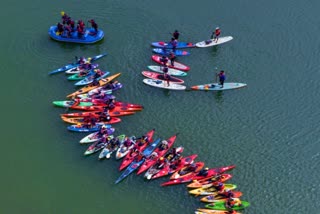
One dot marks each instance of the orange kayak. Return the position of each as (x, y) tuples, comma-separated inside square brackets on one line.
[(98, 113), (209, 182), (79, 120), (101, 108), (90, 87)]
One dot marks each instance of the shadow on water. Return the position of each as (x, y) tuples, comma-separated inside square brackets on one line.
[(218, 96), (166, 92), (74, 46), (214, 51)]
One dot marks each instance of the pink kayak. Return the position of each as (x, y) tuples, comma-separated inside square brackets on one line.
[(177, 65)]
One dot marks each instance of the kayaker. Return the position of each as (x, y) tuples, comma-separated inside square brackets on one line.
[(163, 145), (104, 118), (227, 193), (154, 155), (143, 140), (59, 28), (204, 172), (139, 157), (114, 143), (216, 34), (176, 34), (94, 25), (161, 161), (231, 202), (222, 78), (82, 60), (220, 187), (172, 58), (102, 131), (128, 142), (174, 44)]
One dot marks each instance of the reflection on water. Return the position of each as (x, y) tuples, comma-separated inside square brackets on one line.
[(218, 96)]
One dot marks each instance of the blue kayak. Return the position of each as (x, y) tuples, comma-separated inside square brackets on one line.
[(89, 36), (95, 128), (89, 79), (73, 65), (166, 52), (136, 164), (168, 45)]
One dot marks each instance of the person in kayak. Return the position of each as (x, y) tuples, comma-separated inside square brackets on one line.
[(174, 44), (59, 28), (176, 34), (143, 140), (231, 202), (172, 58), (128, 142), (203, 172), (220, 187), (163, 145), (104, 117), (215, 35), (103, 131), (161, 162), (154, 156), (94, 25), (114, 143)]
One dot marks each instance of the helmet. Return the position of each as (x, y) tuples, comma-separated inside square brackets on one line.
[(89, 59), (220, 184), (104, 126), (161, 158), (206, 168), (217, 28), (62, 13)]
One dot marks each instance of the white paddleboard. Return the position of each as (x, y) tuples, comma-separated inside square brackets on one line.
[(217, 87), (211, 42), (163, 84), (171, 71)]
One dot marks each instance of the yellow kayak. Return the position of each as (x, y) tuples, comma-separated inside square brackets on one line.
[(90, 87), (210, 190), (209, 211)]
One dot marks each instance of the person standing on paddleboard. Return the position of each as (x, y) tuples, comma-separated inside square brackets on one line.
[(172, 57), (217, 33), (222, 78), (176, 34), (174, 44)]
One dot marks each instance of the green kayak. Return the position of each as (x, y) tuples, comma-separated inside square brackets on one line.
[(221, 206), (78, 76), (68, 103)]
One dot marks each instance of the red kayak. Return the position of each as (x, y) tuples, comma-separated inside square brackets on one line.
[(210, 181), (157, 76), (81, 120), (131, 155), (98, 113), (101, 108), (151, 161), (101, 102), (196, 176), (177, 65), (187, 170), (171, 168)]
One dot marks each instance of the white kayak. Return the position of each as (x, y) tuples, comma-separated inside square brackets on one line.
[(211, 42), (217, 86), (164, 84), (171, 71), (124, 150), (93, 137)]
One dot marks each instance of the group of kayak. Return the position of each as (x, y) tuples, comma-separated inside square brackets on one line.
[(167, 74)]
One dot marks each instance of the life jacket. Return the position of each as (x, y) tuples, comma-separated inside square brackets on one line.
[(217, 32)]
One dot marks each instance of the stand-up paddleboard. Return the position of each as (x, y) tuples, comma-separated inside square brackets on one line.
[(211, 42), (168, 45), (167, 52), (217, 86), (176, 65), (157, 76), (171, 71), (163, 84)]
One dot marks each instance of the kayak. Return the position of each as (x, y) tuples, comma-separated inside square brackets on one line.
[(116, 103), (89, 37), (171, 71), (209, 211), (105, 88), (177, 65), (79, 120), (205, 183), (79, 69), (93, 137), (168, 45), (212, 42), (149, 162), (102, 108), (211, 190), (163, 52), (80, 76), (130, 155), (107, 151), (185, 171), (221, 206), (85, 128), (90, 79), (73, 65), (135, 164), (211, 198), (164, 84), (211, 172), (97, 114), (89, 87), (124, 150), (157, 76), (97, 146), (217, 86)]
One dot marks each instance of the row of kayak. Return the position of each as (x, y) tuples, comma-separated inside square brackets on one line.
[(146, 154)]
